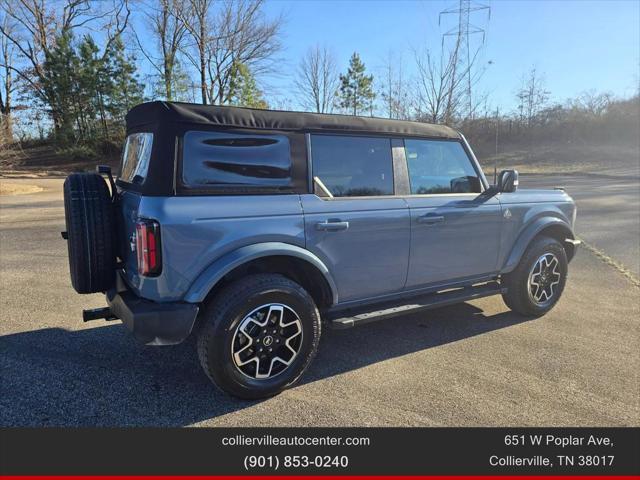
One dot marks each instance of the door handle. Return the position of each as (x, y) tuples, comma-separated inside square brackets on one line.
[(430, 219), (332, 225)]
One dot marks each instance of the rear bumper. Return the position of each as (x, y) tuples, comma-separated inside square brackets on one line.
[(151, 322)]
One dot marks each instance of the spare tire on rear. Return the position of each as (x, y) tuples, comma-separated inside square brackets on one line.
[(90, 223)]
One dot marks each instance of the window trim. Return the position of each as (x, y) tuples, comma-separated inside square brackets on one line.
[(402, 185), (358, 135), (475, 163), (307, 140)]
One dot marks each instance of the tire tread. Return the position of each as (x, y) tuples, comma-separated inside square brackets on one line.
[(89, 219)]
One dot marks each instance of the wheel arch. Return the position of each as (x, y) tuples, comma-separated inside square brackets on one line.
[(291, 261), (552, 227)]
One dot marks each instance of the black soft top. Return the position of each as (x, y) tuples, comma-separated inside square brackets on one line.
[(175, 113), (169, 121)]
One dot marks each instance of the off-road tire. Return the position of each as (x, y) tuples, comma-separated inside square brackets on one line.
[(90, 228), (222, 317), (517, 296)]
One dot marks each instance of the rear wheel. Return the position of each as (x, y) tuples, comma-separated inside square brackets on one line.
[(537, 283), (259, 335)]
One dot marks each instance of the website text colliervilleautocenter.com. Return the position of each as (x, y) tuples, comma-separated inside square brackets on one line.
[(296, 440)]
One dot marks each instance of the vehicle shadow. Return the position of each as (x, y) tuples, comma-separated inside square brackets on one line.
[(102, 377)]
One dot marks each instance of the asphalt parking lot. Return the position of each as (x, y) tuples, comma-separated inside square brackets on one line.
[(474, 364), (608, 212)]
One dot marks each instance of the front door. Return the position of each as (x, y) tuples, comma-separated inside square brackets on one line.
[(455, 231), (353, 222)]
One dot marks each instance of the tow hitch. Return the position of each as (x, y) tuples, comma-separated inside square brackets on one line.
[(97, 314)]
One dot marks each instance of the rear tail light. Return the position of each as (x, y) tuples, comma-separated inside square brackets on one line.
[(148, 248)]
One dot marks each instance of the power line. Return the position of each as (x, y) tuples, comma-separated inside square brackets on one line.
[(462, 33)]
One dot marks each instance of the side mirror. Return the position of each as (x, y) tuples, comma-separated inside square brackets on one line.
[(508, 181)]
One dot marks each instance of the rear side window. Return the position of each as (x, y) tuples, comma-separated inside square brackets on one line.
[(135, 157), (349, 166), (233, 159), (437, 166)]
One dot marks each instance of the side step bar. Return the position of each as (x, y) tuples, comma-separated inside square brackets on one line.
[(352, 317)]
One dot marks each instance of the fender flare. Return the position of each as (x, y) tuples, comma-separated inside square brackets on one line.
[(528, 234), (211, 275)]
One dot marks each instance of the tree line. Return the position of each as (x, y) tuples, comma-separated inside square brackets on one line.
[(70, 70)]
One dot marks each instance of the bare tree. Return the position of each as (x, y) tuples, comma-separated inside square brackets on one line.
[(197, 19), (38, 25), (438, 91), (443, 86), (234, 34), (596, 104), (245, 37), (532, 96), (395, 92), (317, 80), (169, 30), (7, 85)]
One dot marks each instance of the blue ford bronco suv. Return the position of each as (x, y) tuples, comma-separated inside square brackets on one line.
[(250, 228)]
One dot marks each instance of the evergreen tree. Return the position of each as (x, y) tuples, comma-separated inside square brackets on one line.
[(244, 91), (90, 89), (180, 85), (126, 91), (356, 88), (89, 92), (59, 84)]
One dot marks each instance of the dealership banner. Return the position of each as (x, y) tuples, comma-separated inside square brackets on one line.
[(322, 451)]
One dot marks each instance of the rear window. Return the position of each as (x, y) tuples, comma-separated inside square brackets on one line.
[(234, 159), (135, 157), (349, 166)]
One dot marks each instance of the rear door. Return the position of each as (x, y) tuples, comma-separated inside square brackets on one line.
[(353, 221), (455, 231)]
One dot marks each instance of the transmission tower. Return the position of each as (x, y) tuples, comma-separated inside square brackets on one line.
[(462, 33)]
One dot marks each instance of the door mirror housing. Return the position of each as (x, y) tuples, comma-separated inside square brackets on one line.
[(508, 181)]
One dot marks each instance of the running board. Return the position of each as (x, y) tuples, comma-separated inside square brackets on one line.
[(351, 317)]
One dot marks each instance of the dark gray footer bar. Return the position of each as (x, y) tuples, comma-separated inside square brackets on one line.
[(330, 451)]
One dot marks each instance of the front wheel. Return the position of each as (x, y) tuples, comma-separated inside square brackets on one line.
[(260, 334), (536, 284)]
